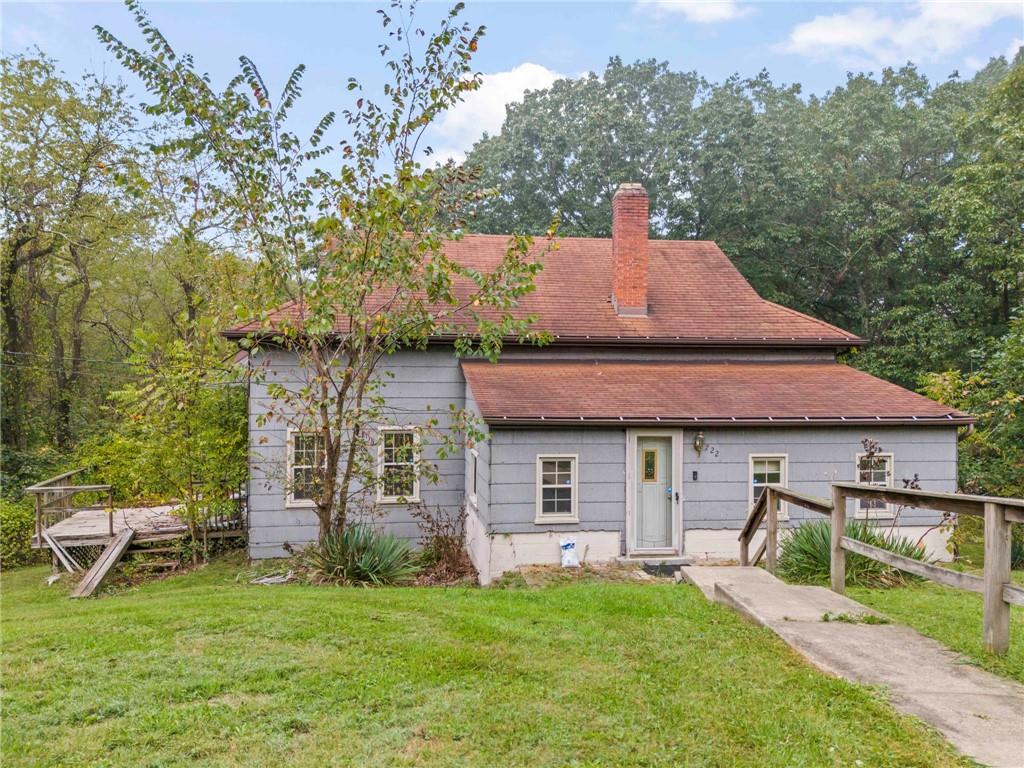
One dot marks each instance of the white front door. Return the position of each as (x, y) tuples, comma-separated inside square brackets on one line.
[(654, 507)]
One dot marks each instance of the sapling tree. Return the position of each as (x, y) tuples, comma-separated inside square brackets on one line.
[(349, 234)]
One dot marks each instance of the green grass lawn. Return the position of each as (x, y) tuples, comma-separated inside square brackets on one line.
[(204, 669), (953, 617)]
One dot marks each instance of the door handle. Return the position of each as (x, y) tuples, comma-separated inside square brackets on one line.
[(677, 497)]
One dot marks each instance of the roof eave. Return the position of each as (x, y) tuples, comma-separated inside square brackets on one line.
[(730, 421)]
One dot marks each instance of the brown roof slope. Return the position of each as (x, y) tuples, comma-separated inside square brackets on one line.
[(681, 392), (695, 295)]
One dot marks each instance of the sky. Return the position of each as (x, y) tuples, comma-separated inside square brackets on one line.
[(530, 44)]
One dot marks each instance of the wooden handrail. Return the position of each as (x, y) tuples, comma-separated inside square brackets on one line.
[(957, 503), (44, 485), (754, 518), (805, 500)]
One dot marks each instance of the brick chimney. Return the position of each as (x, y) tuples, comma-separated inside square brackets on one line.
[(629, 250)]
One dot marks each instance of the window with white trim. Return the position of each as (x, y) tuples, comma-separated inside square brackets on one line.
[(557, 493), (306, 464), (471, 479), (877, 470), (767, 469), (398, 460)]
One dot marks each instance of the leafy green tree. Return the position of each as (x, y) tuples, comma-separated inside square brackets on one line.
[(992, 455), (983, 204), (180, 429), (358, 255), (63, 222)]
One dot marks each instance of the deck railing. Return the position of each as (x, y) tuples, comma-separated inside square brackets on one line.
[(999, 515), (54, 500)]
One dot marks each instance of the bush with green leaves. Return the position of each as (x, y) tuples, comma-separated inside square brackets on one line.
[(17, 525), (806, 555), (360, 554)]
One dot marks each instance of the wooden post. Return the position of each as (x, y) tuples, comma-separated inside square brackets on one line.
[(838, 570), (744, 551), (39, 519), (997, 573), (772, 542), (110, 512)]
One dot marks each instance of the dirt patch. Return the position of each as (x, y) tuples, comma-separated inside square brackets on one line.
[(550, 575)]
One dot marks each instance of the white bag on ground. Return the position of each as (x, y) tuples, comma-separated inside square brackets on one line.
[(569, 557)]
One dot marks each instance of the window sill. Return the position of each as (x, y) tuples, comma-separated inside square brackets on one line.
[(299, 504), (400, 502), (552, 520)]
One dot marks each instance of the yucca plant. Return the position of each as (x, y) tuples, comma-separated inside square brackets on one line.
[(360, 554), (806, 553)]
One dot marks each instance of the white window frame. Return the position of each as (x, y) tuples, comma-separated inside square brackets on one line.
[(875, 514), (783, 478), (290, 500), (415, 497), (471, 479), (539, 517)]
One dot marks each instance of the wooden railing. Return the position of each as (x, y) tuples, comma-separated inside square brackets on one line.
[(996, 586), (54, 500)]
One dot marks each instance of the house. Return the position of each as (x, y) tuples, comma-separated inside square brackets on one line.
[(671, 394)]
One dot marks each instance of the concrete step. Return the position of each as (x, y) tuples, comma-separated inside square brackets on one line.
[(705, 577)]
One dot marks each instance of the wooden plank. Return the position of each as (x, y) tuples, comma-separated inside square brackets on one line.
[(754, 518), (997, 574), (936, 573), (1013, 594), (63, 555), (805, 500), (964, 503), (760, 553), (1014, 515), (772, 537), (104, 564), (837, 569), (72, 488), (44, 484)]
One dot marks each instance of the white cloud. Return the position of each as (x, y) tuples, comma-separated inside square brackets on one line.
[(698, 11), (864, 37), (484, 109)]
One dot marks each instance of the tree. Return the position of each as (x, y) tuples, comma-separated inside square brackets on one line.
[(992, 454), (61, 216), (357, 257)]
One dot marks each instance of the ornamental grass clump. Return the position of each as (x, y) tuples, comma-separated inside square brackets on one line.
[(806, 552), (360, 554)]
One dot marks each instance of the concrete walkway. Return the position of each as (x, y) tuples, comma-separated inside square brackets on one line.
[(982, 715)]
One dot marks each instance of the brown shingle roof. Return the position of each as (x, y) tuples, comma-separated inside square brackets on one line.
[(695, 295), (681, 392)]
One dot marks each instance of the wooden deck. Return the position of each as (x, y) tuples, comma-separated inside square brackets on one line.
[(90, 527)]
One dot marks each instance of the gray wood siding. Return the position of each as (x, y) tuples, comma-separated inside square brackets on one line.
[(418, 386), (601, 473), (817, 456), (423, 384), (719, 496)]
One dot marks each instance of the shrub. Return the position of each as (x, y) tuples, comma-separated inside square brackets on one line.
[(806, 554), (362, 555), (17, 526), (1017, 553), (443, 537)]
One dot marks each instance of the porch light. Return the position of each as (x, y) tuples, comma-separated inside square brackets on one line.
[(698, 442)]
